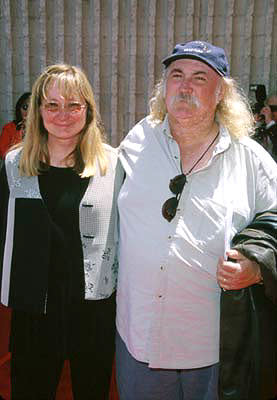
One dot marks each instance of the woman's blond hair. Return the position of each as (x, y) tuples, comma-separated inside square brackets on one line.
[(89, 149), (233, 111)]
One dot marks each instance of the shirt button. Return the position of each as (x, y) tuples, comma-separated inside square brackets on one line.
[(162, 268), (160, 296), (169, 237)]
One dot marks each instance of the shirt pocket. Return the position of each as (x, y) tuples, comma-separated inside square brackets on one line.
[(211, 229), (210, 234), (214, 230)]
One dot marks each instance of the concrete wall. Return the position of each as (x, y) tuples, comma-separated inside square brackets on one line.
[(120, 45)]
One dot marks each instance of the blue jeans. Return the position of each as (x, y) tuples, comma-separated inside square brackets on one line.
[(136, 381)]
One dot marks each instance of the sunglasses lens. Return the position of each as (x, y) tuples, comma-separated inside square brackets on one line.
[(169, 208), (176, 184)]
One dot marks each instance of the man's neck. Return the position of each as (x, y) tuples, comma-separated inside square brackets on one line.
[(190, 134), (193, 140)]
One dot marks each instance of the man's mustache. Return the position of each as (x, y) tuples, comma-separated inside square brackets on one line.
[(188, 98)]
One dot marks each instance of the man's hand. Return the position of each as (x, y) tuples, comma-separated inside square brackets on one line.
[(238, 273)]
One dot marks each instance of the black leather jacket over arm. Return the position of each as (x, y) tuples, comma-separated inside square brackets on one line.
[(248, 327)]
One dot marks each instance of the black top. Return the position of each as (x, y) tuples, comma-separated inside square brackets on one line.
[(59, 329), (71, 324), (62, 190)]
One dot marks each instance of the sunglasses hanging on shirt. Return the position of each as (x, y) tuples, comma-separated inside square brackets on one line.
[(176, 186)]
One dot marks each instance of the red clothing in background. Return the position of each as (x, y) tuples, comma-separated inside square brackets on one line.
[(9, 137)]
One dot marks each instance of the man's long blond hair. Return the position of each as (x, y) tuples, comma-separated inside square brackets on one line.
[(233, 111), (89, 149)]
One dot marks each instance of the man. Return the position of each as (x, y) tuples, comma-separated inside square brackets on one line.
[(271, 103), (193, 180), (269, 131)]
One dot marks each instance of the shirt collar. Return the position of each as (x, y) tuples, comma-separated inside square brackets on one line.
[(166, 128), (224, 140)]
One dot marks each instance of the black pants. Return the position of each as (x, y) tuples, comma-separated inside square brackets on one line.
[(36, 362), (37, 379)]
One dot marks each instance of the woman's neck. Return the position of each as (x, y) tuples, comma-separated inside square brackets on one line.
[(59, 151)]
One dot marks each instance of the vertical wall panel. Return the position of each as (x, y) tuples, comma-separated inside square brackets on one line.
[(164, 34), (204, 12), (184, 15), (114, 75), (37, 36), (241, 43), (120, 44), (268, 39), (273, 59), (108, 65), (146, 39), (91, 41), (170, 25), (6, 74), (131, 71), (73, 32), (209, 13), (126, 66), (20, 40), (262, 41), (55, 31), (223, 24), (149, 58)]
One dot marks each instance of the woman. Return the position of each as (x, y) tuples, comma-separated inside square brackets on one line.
[(13, 132), (58, 242)]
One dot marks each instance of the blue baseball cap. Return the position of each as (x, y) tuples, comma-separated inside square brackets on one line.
[(211, 55)]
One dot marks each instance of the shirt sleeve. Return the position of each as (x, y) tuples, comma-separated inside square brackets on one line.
[(266, 187)]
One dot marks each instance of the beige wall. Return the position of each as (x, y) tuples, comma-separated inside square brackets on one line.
[(120, 45)]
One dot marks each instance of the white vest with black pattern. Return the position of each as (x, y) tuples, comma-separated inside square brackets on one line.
[(97, 219)]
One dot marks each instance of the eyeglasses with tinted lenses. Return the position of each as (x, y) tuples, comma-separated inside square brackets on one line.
[(71, 108), (176, 186), (25, 107)]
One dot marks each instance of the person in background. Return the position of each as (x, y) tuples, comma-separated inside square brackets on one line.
[(269, 111), (271, 103), (13, 132), (194, 179), (58, 242)]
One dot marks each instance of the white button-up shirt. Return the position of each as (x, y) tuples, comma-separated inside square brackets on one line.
[(168, 298)]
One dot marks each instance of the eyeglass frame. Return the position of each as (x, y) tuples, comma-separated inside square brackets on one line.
[(63, 107)]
